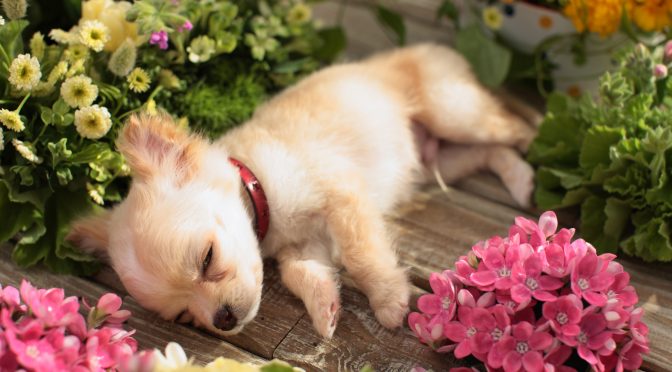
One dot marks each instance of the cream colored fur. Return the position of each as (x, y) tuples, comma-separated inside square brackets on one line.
[(334, 154)]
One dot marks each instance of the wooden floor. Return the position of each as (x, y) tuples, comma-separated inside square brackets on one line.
[(431, 233)]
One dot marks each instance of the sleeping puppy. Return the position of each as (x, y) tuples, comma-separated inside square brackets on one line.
[(306, 181)]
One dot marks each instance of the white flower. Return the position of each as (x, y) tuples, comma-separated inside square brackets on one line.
[(174, 358), (26, 151), (11, 120), (113, 15), (2, 21), (201, 49), (94, 34), (24, 72), (93, 122), (78, 91)]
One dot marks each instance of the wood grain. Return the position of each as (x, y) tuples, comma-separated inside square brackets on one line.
[(358, 341)]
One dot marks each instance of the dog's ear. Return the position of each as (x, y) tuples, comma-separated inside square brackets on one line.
[(91, 233), (155, 144)]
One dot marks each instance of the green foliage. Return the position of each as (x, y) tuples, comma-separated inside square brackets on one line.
[(53, 171), (611, 158), (489, 60)]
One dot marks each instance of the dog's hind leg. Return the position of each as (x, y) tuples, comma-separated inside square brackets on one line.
[(455, 162), (308, 274)]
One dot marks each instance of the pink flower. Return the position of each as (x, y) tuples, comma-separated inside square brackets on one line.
[(529, 281), (34, 353), (522, 350), (660, 71), (187, 26), (564, 314), (107, 311), (10, 297), (50, 306), (496, 268), (442, 302), (428, 330), (477, 330), (159, 38), (546, 227), (465, 297), (594, 338), (590, 278), (621, 292)]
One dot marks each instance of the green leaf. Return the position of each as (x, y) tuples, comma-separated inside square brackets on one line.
[(489, 60), (392, 22), (36, 197), (618, 217), (16, 216), (333, 43), (90, 153), (27, 255), (46, 115), (60, 107), (10, 37), (59, 151), (596, 145), (276, 366), (651, 241), (568, 180)]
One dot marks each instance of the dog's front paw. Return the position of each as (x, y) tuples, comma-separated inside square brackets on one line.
[(324, 308), (521, 183), (391, 306)]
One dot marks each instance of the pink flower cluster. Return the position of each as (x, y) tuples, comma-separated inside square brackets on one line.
[(42, 330), (535, 301)]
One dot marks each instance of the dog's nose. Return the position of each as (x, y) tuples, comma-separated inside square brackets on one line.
[(224, 319)]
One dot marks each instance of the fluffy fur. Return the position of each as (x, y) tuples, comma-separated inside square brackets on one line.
[(334, 154)]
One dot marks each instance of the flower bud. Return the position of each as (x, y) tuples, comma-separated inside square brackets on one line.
[(37, 45), (14, 9), (123, 59), (667, 55), (660, 71)]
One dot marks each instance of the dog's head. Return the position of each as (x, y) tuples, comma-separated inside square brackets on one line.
[(182, 241)]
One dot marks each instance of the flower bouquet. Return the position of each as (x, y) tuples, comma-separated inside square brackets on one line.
[(607, 158), (533, 301), (41, 329), (67, 92), (569, 41)]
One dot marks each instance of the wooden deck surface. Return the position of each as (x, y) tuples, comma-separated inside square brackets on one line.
[(431, 232)]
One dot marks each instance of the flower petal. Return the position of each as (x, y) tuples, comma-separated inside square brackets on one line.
[(512, 362), (483, 278), (430, 304), (540, 341), (533, 361)]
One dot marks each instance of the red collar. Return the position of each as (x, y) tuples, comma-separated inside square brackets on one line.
[(257, 196)]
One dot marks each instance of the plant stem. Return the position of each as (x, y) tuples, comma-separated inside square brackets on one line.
[(23, 102)]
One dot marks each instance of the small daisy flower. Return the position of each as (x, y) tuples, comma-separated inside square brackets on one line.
[(300, 13), (138, 80), (492, 17), (26, 151), (57, 72), (79, 91), (94, 34), (11, 120), (75, 52), (63, 37), (93, 122), (24, 72)]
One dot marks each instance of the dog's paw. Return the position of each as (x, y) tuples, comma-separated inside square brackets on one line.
[(391, 306), (324, 309), (521, 183)]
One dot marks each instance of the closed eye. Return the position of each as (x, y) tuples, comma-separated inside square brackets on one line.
[(206, 262)]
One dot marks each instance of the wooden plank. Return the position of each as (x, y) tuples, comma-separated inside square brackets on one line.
[(489, 187), (358, 341), (279, 311), (152, 332)]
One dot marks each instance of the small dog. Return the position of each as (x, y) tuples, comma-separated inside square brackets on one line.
[(332, 155)]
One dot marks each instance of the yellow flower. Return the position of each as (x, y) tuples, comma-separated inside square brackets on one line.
[(599, 16), (300, 13), (57, 72), (76, 68), (94, 34), (26, 151), (492, 17), (113, 15), (43, 89), (651, 15), (151, 107), (138, 80), (24, 72), (75, 52), (11, 120), (92, 122), (78, 91), (64, 37)]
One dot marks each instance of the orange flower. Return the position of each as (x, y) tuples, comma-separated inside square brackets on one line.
[(599, 16), (651, 15)]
